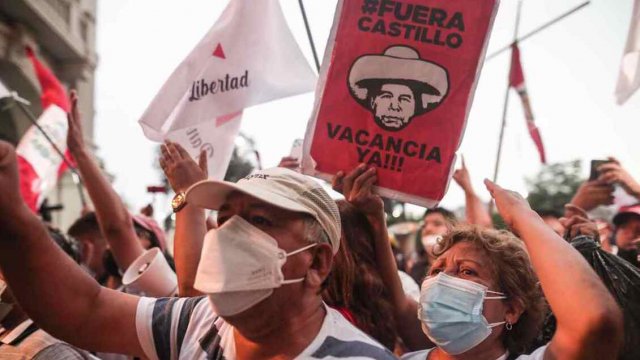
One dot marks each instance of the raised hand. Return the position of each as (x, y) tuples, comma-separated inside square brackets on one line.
[(357, 188), (179, 168), (75, 135), (592, 194), (462, 178), (614, 173), (511, 205)]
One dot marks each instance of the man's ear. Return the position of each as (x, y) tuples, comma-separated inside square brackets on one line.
[(320, 266)]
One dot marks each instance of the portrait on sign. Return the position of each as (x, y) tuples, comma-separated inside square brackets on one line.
[(397, 85)]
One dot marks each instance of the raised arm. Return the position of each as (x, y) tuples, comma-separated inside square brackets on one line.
[(589, 320), (357, 189), (50, 287), (475, 211), (613, 173), (115, 220), (182, 172)]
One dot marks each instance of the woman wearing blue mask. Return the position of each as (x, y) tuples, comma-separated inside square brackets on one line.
[(481, 299)]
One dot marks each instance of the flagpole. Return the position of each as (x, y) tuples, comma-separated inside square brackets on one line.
[(538, 29), (74, 172), (306, 25), (506, 99)]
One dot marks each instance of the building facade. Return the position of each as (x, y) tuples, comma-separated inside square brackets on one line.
[(62, 34)]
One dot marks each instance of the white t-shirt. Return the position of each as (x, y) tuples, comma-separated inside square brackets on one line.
[(187, 328), (422, 355)]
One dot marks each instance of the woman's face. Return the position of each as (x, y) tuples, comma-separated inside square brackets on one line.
[(466, 261)]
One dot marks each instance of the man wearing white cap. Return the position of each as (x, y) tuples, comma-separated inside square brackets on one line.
[(262, 271), (397, 86)]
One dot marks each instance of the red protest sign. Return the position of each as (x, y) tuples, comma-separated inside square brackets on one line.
[(395, 91)]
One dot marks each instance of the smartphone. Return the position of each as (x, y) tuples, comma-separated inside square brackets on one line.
[(595, 164)]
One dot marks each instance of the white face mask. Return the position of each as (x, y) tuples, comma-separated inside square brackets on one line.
[(5, 308), (240, 266)]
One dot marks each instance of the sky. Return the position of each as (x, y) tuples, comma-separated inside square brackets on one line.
[(571, 71)]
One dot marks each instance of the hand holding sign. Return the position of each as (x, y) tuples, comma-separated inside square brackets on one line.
[(357, 188)]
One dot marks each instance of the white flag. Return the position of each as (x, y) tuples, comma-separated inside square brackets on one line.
[(629, 78), (248, 57), (215, 137)]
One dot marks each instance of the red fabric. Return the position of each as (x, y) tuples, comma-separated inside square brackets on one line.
[(63, 166), (516, 80), (53, 92), (516, 76), (537, 140), (399, 44), (27, 177)]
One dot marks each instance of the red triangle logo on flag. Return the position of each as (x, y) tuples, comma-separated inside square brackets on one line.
[(218, 52)]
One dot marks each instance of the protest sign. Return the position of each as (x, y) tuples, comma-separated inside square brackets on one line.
[(395, 91)]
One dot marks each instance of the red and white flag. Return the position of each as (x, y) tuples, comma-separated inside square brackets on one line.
[(516, 81), (248, 57), (629, 78), (38, 162)]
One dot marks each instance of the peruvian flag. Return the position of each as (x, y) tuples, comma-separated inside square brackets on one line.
[(248, 57), (516, 81), (38, 162)]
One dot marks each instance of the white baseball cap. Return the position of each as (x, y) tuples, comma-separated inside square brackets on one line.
[(277, 186)]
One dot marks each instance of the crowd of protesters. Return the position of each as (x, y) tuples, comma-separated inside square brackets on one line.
[(287, 272)]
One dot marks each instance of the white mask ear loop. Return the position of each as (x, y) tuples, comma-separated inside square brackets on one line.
[(501, 296), (302, 249), (492, 325), (293, 281)]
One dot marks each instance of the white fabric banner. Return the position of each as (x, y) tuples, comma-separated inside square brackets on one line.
[(216, 138), (629, 78), (38, 151), (248, 57)]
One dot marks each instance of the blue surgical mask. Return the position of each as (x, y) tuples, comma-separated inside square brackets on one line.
[(450, 310)]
